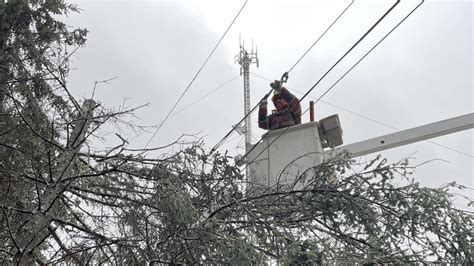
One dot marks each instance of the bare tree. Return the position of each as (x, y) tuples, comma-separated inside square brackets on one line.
[(63, 200)]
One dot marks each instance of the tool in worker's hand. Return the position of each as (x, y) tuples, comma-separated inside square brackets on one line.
[(276, 85), (284, 78)]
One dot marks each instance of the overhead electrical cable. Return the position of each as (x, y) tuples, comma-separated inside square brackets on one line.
[(365, 55), (352, 48), (322, 77), (195, 76), (317, 40), (350, 69), (370, 119), (205, 95), (223, 140)]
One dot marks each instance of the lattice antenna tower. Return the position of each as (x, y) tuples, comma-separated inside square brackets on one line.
[(245, 59)]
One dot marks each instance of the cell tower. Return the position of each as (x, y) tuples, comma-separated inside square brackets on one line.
[(244, 58)]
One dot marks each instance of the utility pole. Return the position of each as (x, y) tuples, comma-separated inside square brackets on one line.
[(244, 59)]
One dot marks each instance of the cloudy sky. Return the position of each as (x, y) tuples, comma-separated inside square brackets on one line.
[(421, 73)]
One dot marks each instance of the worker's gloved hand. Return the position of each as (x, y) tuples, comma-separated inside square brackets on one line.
[(264, 101), (276, 85)]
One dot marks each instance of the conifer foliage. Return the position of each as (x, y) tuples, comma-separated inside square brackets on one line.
[(62, 200)]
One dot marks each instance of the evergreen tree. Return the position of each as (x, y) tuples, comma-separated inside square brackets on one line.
[(64, 201)]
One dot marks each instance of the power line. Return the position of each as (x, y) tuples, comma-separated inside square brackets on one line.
[(223, 140), (205, 96), (337, 62), (371, 49), (394, 128), (369, 119), (311, 47), (352, 48), (350, 69), (195, 76)]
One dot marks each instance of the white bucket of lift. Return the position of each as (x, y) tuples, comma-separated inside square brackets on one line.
[(285, 155)]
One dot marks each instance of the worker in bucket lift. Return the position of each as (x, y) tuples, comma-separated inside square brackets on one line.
[(288, 109)]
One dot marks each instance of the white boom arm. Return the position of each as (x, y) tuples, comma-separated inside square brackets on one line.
[(408, 136)]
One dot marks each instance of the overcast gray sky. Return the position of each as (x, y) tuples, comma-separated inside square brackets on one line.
[(421, 73)]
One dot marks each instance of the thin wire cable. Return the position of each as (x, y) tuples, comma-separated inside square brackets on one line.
[(223, 140), (352, 48), (350, 69), (241, 141), (205, 96), (236, 137), (195, 76), (333, 105), (392, 127), (365, 55), (311, 47), (327, 72)]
